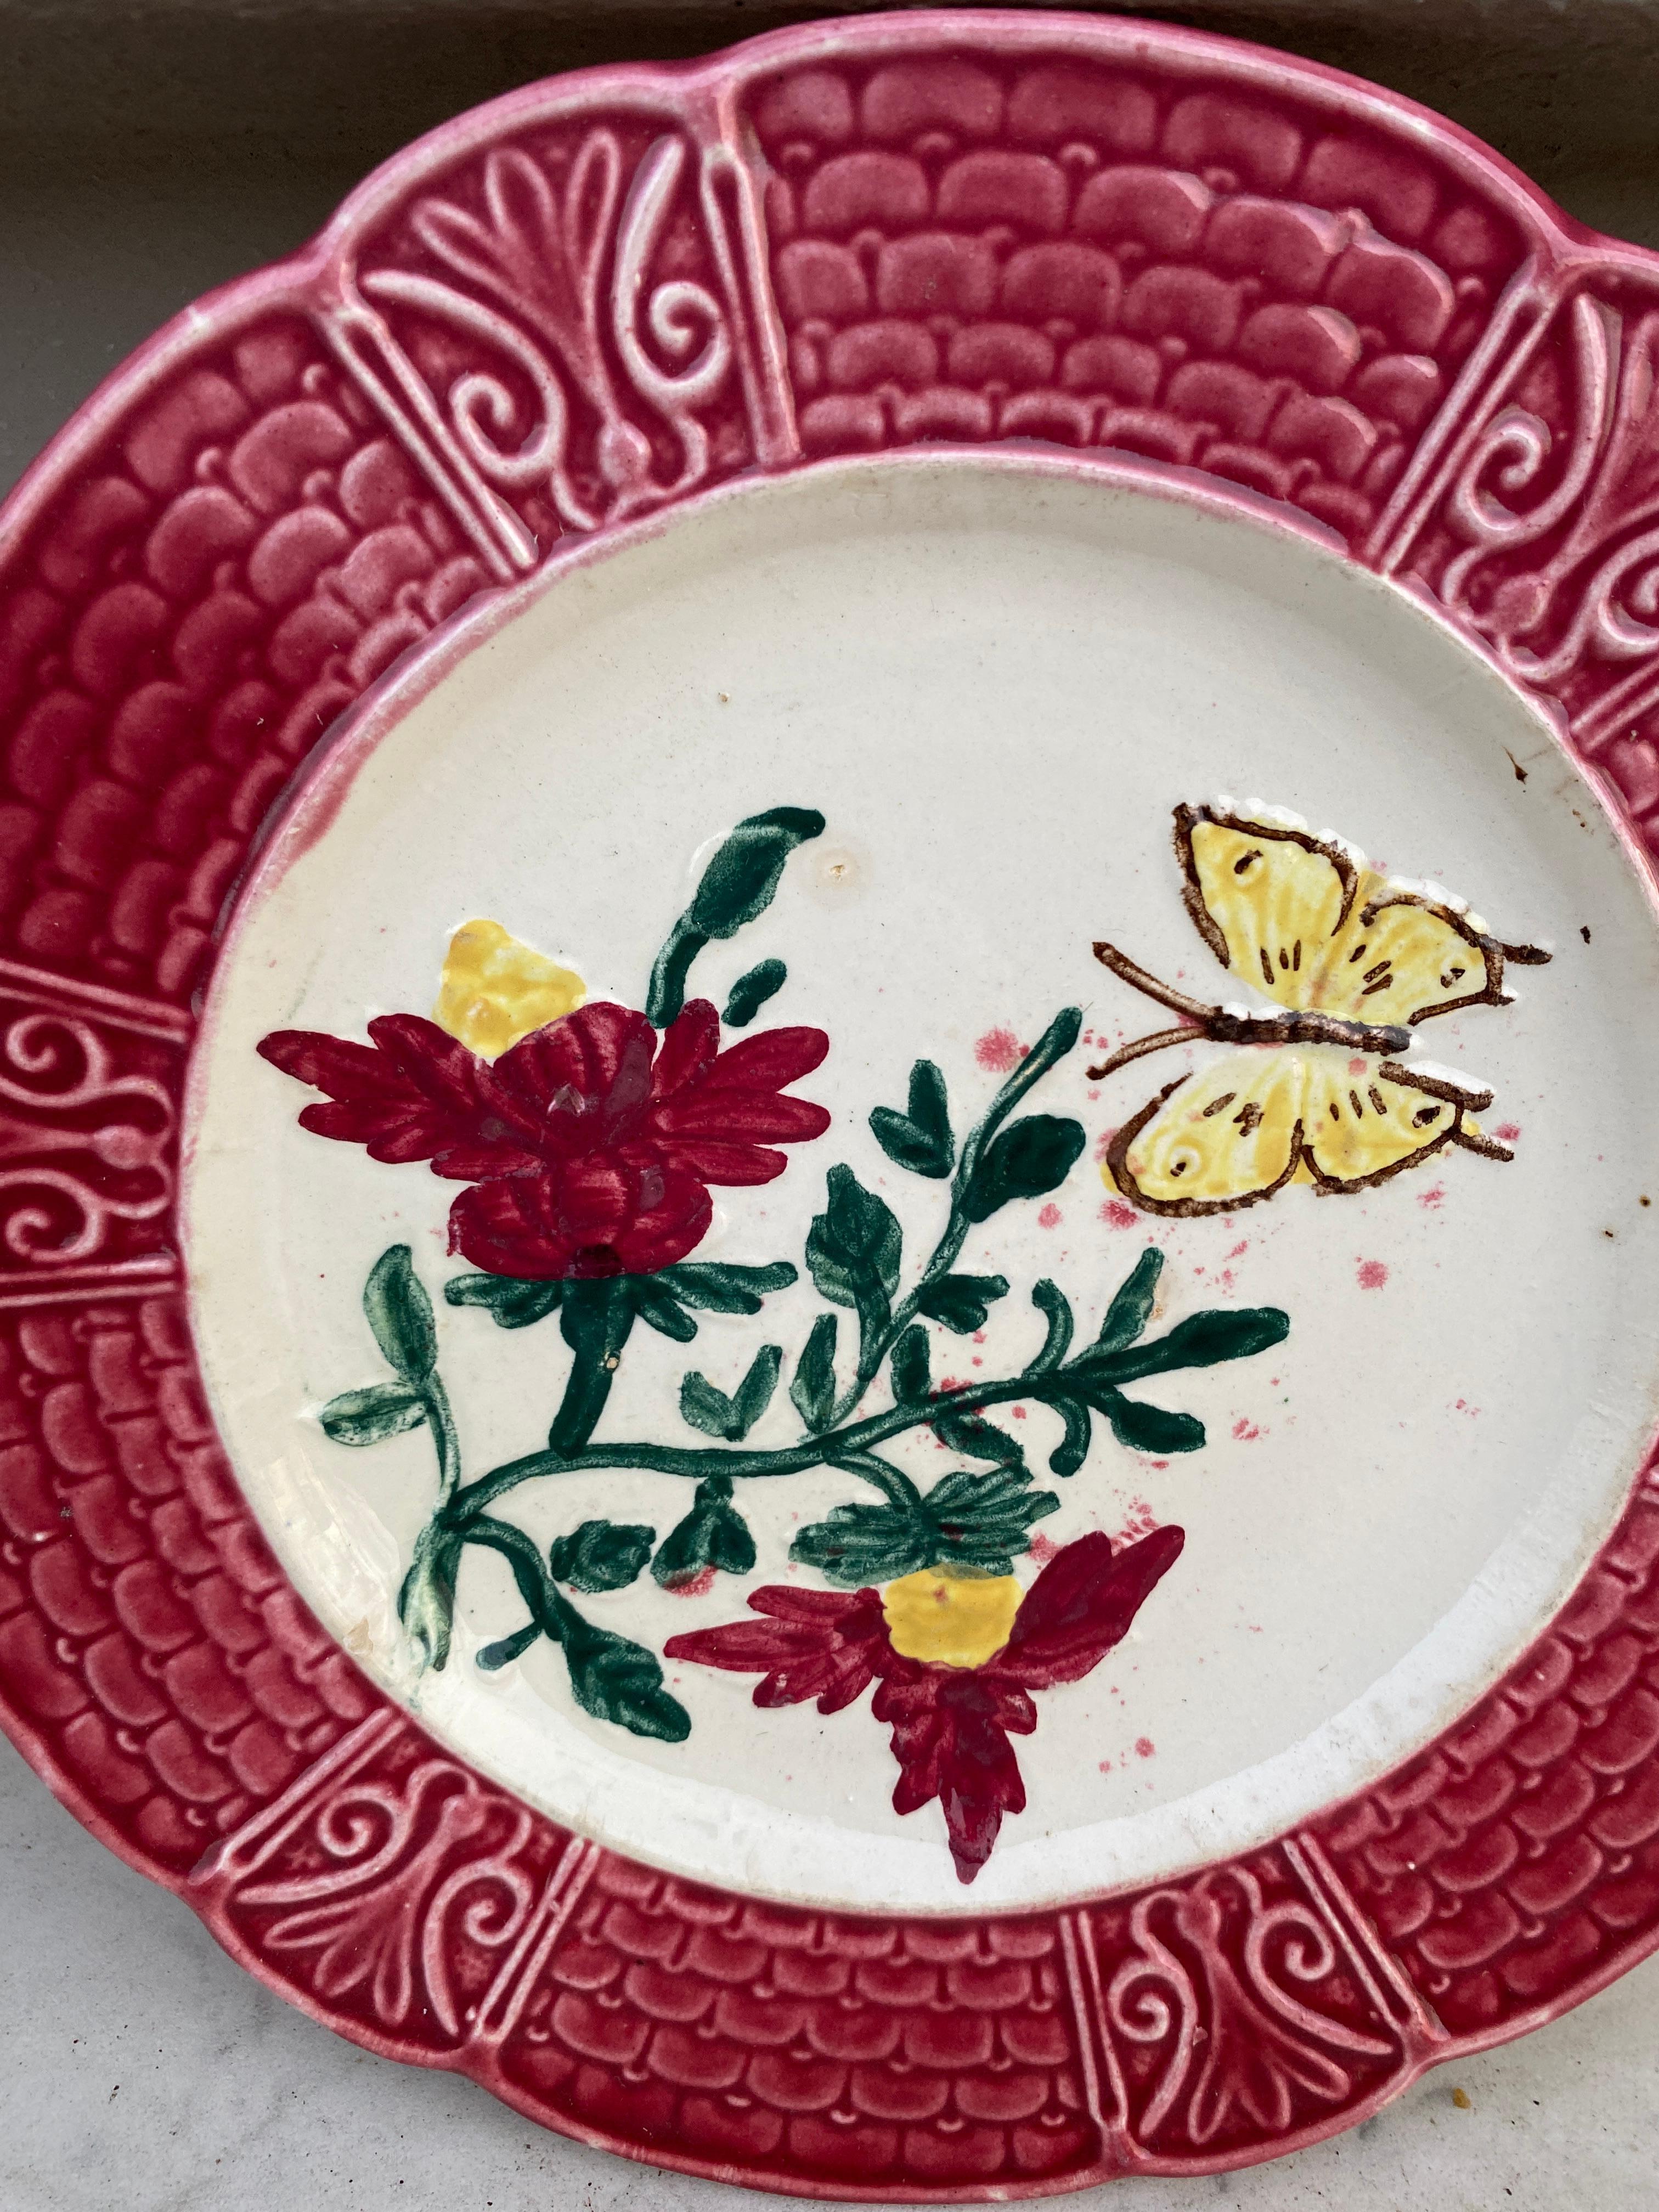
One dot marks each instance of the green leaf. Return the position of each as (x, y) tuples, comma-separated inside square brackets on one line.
[(919, 1140), (751, 991), (514, 1301), (852, 1250), (426, 1602), (1203, 1340), (984, 1520), (1069, 1454), (976, 1437), (866, 1544), (961, 1302), (1056, 1041), (980, 1522), (1028, 1160), (716, 1286), (702, 1407), (659, 1308), (620, 1681), (710, 1410), (369, 1417), (1132, 1307), (912, 1366), (813, 1390), (400, 1314), (714, 1534), (1143, 1428), (494, 1656), (1050, 1300), (601, 1555), (738, 886), (740, 881), (754, 1392)]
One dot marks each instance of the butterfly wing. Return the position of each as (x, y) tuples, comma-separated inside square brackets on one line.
[(1219, 1140), (1361, 1125), (1268, 899), (1399, 957)]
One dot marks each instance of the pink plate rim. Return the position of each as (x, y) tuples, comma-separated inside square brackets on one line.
[(1323, 307)]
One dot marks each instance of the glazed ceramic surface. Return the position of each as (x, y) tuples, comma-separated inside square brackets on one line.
[(828, 1201)]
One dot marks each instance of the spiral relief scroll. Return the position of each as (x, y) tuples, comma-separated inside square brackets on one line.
[(87, 1139), (554, 337), (1538, 526)]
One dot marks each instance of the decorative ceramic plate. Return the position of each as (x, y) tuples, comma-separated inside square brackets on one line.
[(778, 1361)]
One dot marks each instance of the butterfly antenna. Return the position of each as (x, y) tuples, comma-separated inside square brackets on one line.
[(1160, 1042), (1472, 1141), (1148, 985)]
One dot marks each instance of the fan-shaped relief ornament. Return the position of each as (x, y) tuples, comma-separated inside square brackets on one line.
[(402, 1887), (1229, 2012), (559, 339)]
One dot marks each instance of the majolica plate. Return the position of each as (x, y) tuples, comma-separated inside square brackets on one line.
[(779, 1361)]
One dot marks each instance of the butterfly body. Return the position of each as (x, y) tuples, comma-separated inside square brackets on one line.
[(1316, 1091)]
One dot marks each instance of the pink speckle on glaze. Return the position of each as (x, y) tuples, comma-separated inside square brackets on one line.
[(695, 1585), (998, 1050), (1239, 1251), (1044, 1549), (1105, 1766), (1435, 1195), (1507, 1132), (1049, 1217), (1144, 1748), (1141, 1522), (1103, 1143), (1117, 1215), (1372, 1275), (1358, 1066), (1246, 1431)]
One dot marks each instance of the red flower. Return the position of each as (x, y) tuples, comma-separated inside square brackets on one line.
[(590, 1143), (950, 1725)]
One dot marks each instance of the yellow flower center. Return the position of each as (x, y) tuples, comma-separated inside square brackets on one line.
[(951, 1620), (495, 990)]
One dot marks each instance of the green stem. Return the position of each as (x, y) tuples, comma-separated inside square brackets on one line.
[(548, 1609), (445, 1441), (1056, 1041), (849, 1447), (594, 1319)]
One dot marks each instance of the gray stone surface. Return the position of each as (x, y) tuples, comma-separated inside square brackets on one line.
[(140, 2067), (145, 155)]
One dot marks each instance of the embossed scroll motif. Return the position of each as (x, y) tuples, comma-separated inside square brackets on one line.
[(88, 1132), (563, 361), (1245, 2003), (402, 1888), (1546, 542)]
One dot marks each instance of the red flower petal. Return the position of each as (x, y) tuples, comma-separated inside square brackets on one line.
[(523, 1225), (768, 1060), (725, 1164), (580, 1082), (763, 1113), (690, 1046), (950, 1730), (1083, 1602), (818, 1644), (414, 1094)]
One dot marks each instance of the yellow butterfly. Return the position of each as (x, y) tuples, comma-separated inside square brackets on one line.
[(1357, 961)]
